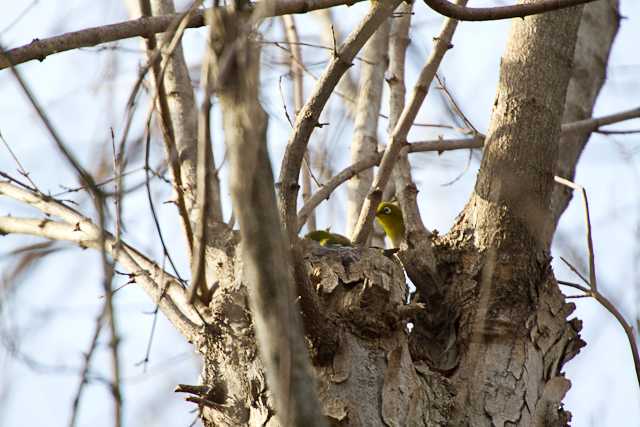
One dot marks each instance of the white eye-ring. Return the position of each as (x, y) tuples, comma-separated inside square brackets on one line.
[(386, 210)]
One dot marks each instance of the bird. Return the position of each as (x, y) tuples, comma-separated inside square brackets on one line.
[(389, 216), (326, 238)]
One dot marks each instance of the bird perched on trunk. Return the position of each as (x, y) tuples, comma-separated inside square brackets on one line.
[(389, 216), (326, 238)]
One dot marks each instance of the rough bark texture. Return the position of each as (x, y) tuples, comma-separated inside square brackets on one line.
[(490, 326), (372, 380), (512, 336), (266, 262), (181, 102), (499, 332), (490, 346)]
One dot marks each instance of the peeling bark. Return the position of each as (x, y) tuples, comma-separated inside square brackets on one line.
[(372, 380)]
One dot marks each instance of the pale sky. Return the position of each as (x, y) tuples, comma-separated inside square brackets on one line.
[(47, 323)]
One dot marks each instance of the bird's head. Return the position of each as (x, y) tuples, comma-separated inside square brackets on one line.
[(390, 218)]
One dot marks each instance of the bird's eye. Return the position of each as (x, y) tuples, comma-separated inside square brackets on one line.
[(386, 210)]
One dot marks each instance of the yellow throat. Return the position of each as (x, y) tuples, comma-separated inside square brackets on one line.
[(389, 216)]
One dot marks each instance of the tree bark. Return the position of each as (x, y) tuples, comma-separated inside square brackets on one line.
[(598, 29), (512, 336), (507, 335), (365, 138), (490, 330)]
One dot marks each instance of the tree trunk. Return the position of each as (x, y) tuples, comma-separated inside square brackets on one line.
[(598, 29), (512, 335), (490, 346)]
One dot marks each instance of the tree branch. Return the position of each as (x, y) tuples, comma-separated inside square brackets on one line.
[(204, 167), (297, 68), (440, 145), (374, 160), (405, 188), (307, 119), (159, 69), (442, 44), (592, 290), (79, 229), (375, 58), (266, 257), (142, 27), (463, 13), (594, 124)]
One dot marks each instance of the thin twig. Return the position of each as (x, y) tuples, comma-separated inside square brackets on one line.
[(611, 308), (575, 286), (587, 219), (98, 199), (593, 288), (152, 208), (454, 106), (307, 120), (145, 360), (84, 373), (442, 44), (39, 49), (21, 170), (203, 148)]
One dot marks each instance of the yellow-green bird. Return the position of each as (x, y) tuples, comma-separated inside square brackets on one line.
[(326, 238), (389, 216)]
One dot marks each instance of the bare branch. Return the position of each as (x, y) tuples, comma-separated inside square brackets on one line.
[(405, 188), (592, 283), (266, 256), (21, 170), (594, 124), (325, 191), (611, 308), (587, 219), (464, 13), (442, 44), (297, 69), (628, 329), (204, 166), (308, 118), (365, 136), (142, 27), (86, 364), (172, 43), (442, 145), (81, 230)]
